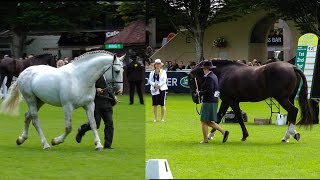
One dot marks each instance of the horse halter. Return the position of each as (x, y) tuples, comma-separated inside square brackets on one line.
[(111, 66)]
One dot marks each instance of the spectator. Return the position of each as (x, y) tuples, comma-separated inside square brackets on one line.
[(181, 65), (158, 88), (171, 66), (60, 63), (135, 75)]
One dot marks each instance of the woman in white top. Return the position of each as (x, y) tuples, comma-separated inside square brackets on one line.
[(158, 87)]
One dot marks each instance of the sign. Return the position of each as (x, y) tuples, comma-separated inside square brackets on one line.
[(177, 82), (274, 40), (306, 58), (113, 46), (111, 33)]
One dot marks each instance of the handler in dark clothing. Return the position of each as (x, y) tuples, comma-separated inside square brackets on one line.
[(135, 75), (104, 100), (210, 93), (314, 103)]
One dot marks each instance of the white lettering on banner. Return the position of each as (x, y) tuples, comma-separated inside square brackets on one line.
[(171, 82)]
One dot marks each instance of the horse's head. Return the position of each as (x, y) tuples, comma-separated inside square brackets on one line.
[(47, 59), (195, 79), (116, 74)]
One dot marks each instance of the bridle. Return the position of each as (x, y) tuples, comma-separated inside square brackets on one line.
[(113, 82)]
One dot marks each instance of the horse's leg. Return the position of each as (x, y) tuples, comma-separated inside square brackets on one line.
[(90, 114), (292, 115), (237, 111), (9, 80), (24, 135), (222, 111), (27, 120), (67, 119), (34, 106)]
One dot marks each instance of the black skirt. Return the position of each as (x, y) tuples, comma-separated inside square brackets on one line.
[(159, 99)]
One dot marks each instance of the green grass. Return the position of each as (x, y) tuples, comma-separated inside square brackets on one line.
[(71, 160), (261, 156)]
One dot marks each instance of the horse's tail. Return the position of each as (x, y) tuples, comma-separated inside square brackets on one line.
[(306, 115), (10, 105)]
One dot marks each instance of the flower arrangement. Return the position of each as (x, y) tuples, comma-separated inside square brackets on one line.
[(220, 42)]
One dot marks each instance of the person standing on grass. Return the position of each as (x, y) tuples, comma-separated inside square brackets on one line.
[(135, 75), (209, 92), (158, 87), (104, 102)]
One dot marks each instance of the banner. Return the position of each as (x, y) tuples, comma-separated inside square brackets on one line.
[(306, 56), (177, 81)]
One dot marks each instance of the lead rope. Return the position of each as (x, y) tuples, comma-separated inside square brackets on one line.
[(199, 100)]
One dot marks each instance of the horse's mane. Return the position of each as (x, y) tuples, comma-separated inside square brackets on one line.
[(91, 52)]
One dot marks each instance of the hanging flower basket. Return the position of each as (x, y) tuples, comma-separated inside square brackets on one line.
[(220, 42)]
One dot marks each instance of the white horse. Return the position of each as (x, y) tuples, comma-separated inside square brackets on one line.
[(70, 86)]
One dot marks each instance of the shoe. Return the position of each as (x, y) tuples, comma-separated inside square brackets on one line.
[(203, 142), (130, 103), (107, 147), (225, 136), (154, 120), (162, 120), (79, 136), (211, 135)]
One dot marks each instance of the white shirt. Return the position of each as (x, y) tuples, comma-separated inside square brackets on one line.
[(162, 81)]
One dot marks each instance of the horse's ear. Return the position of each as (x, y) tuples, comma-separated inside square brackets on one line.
[(122, 57)]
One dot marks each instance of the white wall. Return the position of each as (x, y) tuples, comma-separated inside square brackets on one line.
[(47, 41)]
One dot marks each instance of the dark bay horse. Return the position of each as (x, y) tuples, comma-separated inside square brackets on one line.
[(13, 67), (241, 83)]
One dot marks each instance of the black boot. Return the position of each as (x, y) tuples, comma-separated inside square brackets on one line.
[(81, 132)]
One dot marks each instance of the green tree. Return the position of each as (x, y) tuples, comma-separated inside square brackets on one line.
[(196, 15), (306, 13), (21, 17), (131, 11)]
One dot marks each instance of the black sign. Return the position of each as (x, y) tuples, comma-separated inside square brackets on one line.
[(315, 90), (177, 82), (275, 40)]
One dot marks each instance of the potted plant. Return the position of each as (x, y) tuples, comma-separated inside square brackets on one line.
[(220, 42)]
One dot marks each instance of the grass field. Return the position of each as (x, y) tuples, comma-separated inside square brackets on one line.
[(71, 160), (261, 156)]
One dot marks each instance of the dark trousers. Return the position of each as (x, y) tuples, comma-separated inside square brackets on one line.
[(132, 86), (315, 107), (106, 115)]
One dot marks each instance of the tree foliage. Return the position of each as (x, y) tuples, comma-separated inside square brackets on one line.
[(196, 15), (22, 17), (306, 13), (131, 11)]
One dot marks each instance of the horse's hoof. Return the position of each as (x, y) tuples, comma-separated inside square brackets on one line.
[(244, 138), (297, 136), (46, 148), (20, 140), (53, 142), (99, 148)]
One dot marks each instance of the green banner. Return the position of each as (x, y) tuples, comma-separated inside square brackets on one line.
[(301, 56), (306, 56)]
